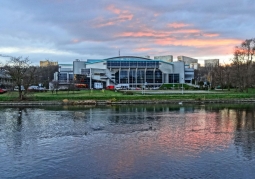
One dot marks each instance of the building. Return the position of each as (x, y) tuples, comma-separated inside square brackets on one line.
[(194, 66), (131, 70), (64, 74), (47, 63), (187, 60), (166, 58), (212, 62), (5, 80)]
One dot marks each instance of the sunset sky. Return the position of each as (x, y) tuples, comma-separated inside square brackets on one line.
[(65, 30)]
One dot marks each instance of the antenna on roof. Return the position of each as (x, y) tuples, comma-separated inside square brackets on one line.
[(119, 52)]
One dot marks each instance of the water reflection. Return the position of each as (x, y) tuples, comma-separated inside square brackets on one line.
[(128, 141)]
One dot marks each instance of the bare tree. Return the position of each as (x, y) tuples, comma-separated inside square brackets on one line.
[(54, 86), (242, 61), (21, 73), (45, 75)]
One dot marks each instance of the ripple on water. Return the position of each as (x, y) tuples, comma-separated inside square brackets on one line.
[(153, 142)]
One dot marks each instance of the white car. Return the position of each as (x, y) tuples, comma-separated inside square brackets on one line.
[(40, 88), (33, 87), (16, 88)]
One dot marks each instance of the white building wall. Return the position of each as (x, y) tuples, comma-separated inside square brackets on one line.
[(99, 65), (174, 67), (77, 66), (179, 69), (166, 67)]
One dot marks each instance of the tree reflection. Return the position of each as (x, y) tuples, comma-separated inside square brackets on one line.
[(19, 120), (245, 133)]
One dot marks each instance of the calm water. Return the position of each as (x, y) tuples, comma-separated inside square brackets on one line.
[(161, 141)]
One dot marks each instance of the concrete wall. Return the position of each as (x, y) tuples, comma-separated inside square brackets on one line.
[(77, 66), (187, 60), (167, 58)]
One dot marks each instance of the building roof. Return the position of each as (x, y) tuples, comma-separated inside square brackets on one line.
[(129, 58), (92, 61)]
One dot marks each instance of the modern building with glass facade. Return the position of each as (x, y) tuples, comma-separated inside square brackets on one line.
[(132, 70)]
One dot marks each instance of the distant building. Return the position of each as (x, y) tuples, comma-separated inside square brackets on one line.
[(5, 80), (47, 63), (187, 60), (166, 58), (194, 65), (212, 63), (131, 70)]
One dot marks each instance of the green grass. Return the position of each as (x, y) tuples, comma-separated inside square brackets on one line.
[(116, 96)]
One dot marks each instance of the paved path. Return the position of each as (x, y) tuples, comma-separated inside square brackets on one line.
[(177, 91)]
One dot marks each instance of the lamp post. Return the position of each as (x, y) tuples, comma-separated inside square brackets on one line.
[(182, 85), (173, 81), (144, 87)]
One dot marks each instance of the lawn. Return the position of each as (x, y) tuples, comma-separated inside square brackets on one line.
[(128, 95)]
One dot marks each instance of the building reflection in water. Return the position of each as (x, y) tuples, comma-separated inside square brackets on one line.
[(126, 137), (180, 133)]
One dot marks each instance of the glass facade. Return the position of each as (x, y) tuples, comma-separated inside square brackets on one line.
[(132, 77), (62, 76), (124, 76), (174, 78), (70, 77), (138, 76), (149, 76), (133, 64), (117, 74), (158, 76)]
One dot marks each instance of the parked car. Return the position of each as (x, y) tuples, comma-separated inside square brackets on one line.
[(16, 88), (36, 88), (40, 88), (155, 88), (32, 88), (2, 91)]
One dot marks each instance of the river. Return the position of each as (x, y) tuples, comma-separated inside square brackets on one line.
[(136, 141)]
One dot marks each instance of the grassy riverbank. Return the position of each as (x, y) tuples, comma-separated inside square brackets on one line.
[(130, 95)]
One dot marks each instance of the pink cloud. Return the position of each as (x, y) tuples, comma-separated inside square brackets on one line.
[(75, 41), (113, 9), (122, 16), (143, 34), (177, 25), (211, 35), (197, 42), (142, 49)]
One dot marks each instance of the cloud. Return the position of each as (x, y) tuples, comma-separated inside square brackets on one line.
[(122, 16), (177, 25), (142, 49), (97, 29)]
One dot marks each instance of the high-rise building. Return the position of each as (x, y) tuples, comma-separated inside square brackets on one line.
[(211, 62), (47, 63), (187, 60), (166, 58)]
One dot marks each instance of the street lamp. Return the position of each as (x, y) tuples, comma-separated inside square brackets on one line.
[(182, 85)]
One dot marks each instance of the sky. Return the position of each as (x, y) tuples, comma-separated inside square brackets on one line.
[(65, 30)]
